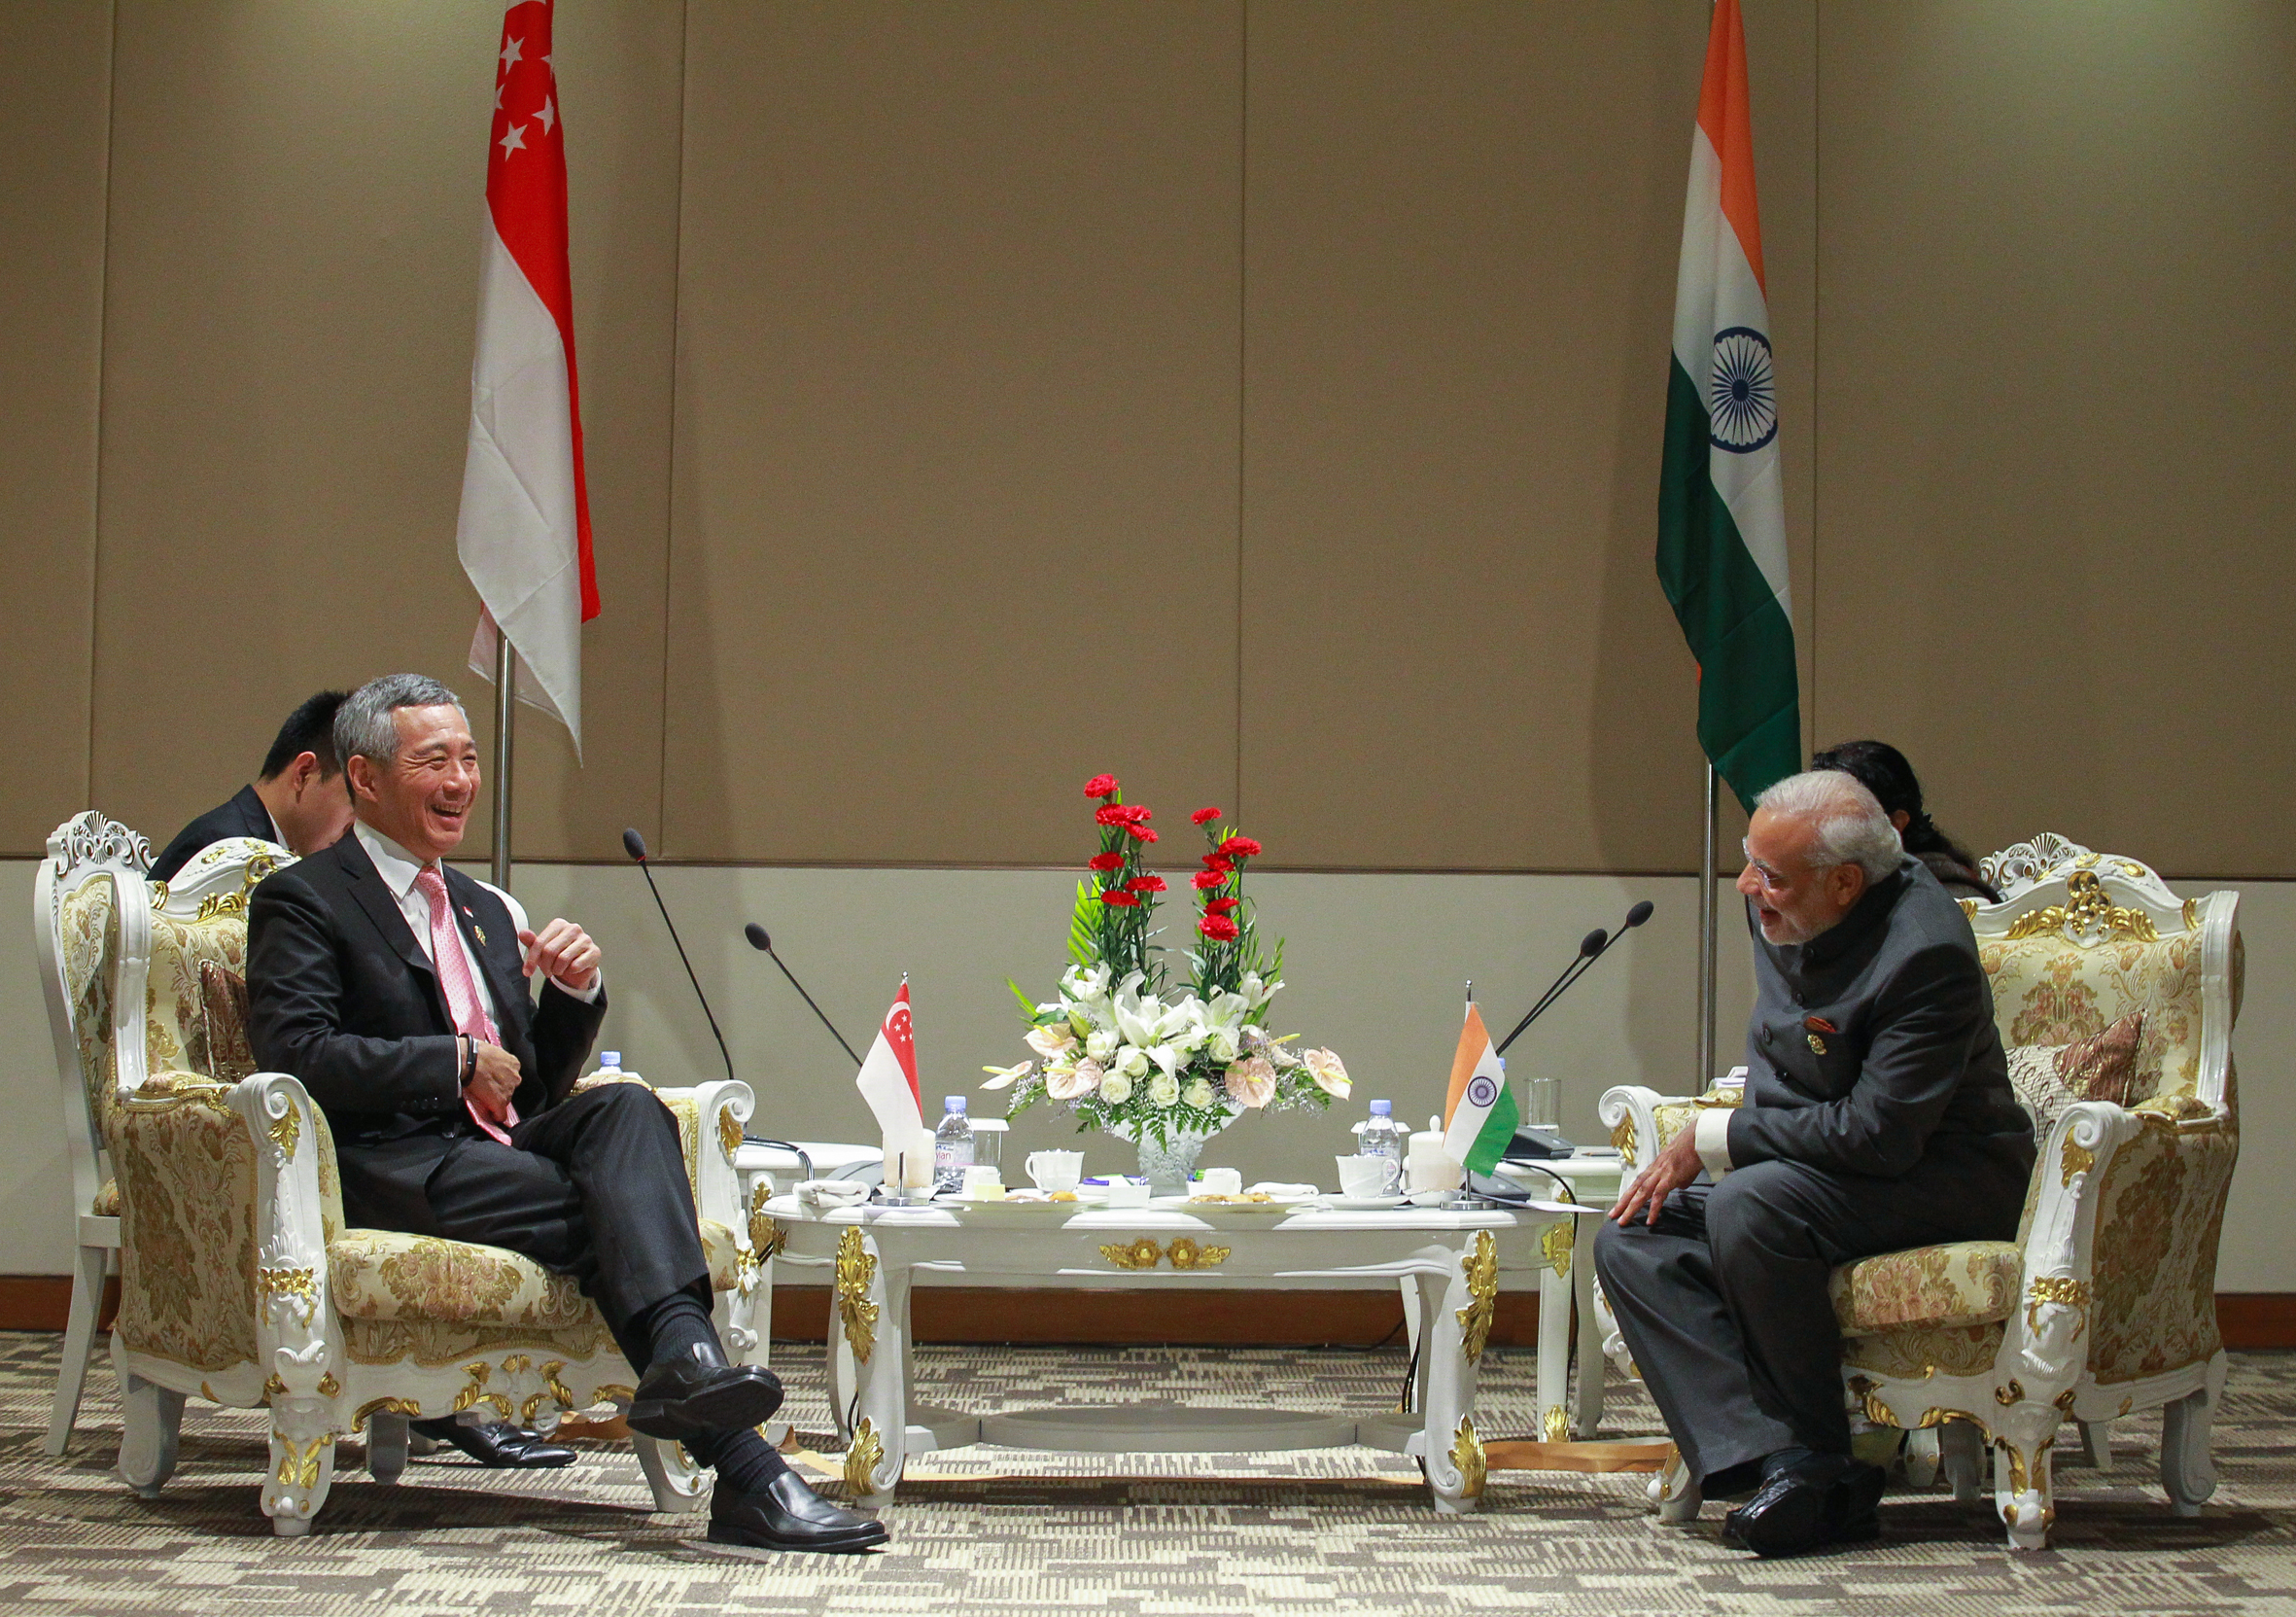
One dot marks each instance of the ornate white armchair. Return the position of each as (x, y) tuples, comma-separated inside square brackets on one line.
[(89, 902), (2104, 1304), (240, 1284)]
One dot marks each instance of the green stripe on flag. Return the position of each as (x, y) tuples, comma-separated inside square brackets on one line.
[(1749, 713), (1496, 1133)]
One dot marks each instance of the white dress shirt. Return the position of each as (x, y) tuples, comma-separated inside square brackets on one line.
[(399, 869)]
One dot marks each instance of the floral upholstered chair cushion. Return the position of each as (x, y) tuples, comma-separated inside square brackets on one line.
[(1968, 1282), (89, 936), (176, 996), (2045, 992), (391, 1275)]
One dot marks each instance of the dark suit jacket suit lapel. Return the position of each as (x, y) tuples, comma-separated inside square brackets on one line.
[(381, 905)]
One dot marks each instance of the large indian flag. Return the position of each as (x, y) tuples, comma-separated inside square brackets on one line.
[(1722, 517)]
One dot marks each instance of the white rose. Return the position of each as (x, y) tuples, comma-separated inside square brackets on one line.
[(1114, 1089), (1100, 1044), (1164, 1090), (1132, 1061), (1198, 1094), (1223, 1047)]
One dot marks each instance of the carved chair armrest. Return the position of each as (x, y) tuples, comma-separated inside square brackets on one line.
[(723, 1105), (1630, 1111), (295, 1327)]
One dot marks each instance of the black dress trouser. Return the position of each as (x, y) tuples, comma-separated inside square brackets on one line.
[(595, 1187), (1724, 1302)]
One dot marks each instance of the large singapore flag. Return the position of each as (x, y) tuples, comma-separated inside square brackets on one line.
[(525, 532), (1721, 515)]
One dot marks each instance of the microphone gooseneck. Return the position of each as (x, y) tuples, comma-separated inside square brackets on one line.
[(763, 940), (635, 846), (1591, 948)]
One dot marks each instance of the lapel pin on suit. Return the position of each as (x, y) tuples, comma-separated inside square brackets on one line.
[(1818, 1025)]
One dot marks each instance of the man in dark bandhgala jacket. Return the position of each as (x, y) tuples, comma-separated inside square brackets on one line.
[(299, 799), (396, 988), (1877, 1116)]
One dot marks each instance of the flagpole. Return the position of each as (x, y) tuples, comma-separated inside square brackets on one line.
[(1707, 919), (506, 701)]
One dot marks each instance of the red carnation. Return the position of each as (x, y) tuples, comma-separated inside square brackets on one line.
[(1238, 847), (1219, 929), (1220, 906), (1109, 814), (1206, 880), (1143, 833), (1118, 897), (1100, 786), (1145, 884), (1104, 862), (1203, 815)]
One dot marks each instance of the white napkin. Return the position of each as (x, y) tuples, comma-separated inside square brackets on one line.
[(832, 1192)]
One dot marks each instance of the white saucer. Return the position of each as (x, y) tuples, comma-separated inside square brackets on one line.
[(1362, 1203), (1189, 1203)]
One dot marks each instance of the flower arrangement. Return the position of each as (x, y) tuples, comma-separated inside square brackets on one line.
[(1122, 1052)]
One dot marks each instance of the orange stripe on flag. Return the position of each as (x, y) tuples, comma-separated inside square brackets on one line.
[(1725, 114), (1473, 1041)]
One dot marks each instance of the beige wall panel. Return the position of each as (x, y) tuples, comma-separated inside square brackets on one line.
[(2058, 299), (54, 102), (297, 211), (955, 491), (1463, 225)]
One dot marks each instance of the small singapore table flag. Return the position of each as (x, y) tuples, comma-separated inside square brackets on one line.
[(887, 1081), (1479, 1114)]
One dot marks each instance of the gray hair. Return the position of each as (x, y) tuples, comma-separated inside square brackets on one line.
[(363, 728), (1850, 824)]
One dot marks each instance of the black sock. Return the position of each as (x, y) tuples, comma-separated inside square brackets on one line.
[(672, 1326), (744, 1460)]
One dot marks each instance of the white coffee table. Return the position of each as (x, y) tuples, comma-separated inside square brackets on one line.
[(1455, 1260)]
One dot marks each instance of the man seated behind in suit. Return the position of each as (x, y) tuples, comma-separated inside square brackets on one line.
[(396, 989), (298, 802), (1878, 1115)]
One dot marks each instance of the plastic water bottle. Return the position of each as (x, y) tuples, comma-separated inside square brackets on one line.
[(609, 1065), (1382, 1139), (953, 1147)]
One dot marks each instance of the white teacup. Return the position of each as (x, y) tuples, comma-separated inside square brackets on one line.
[(1362, 1178), (1219, 1181), (1053, 1171)]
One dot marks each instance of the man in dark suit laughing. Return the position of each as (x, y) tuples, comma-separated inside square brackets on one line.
[(396, 988)]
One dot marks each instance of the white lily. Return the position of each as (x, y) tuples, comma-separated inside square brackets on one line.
[(1005, 1077), (1167, 1058)]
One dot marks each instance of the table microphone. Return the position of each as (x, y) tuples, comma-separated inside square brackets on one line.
[(1591, 948), (635, 846), (761, 939)]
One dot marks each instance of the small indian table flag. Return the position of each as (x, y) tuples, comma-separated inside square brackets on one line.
[(1479, 1116)]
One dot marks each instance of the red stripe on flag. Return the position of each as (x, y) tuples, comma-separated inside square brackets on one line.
[(900, 1032), (1725, 113), (526, 194)]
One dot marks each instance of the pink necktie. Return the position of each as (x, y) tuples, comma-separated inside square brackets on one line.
[(461, 994)]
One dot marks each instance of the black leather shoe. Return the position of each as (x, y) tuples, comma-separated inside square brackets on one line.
[(502, 1446), (790, 1516), (1794, 1511), (693, 1393), (1853, 1514)]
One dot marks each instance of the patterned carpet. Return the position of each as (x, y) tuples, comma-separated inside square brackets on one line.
[(985, 1530)]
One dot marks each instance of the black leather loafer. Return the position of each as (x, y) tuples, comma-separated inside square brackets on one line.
[(1818, 1500), (502, 1446), (697, 1393), (1786, 1515), (790, 1516)]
